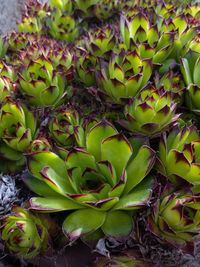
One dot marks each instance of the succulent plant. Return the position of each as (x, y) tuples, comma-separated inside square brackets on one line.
[(25, 233), (65, 128), (190, 69), (41, 84), (30, 24), (85, 7), (62, 26), (105, 9), (173, 82), (17, 128), (178, 156), (126, 259), (176, 219), (96, 182), (153, 111), (6, 87), (63, 5), (125, 75), (101, 41), (151, 44), (3, 47), (8, 194)]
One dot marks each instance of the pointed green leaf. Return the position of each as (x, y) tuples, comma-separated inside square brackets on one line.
[(117, 224)]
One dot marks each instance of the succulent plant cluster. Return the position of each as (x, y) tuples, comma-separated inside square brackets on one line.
[(99, 118)]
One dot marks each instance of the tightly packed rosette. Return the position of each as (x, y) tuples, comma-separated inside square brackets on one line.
[(17, 40), (101, 41), (176, 218), (63, 5), (125, 75), (152, 112), (173, 82), (86, 65), (129, 258), (85, 8), (103, 182), (41, 84), (66, 129), (30, 24), (151, 44), (104, 9), (17, 129), (190, 67), (25, 233), (179, 156), (62, 26)]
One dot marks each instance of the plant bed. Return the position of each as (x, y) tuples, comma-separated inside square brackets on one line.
[(99, 135)]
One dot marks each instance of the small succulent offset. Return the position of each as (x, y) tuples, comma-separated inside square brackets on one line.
[(17, 129), (66, 129), (176, 218), (41, 84), (3, 47), (125, 75), (62, 26), (152, 112), (179, 156), (8, 194), (25, 233), (104, 182)]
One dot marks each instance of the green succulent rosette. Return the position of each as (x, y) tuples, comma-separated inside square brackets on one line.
[(128, 258), (105, 9), (179, 156), (173, 82), (41, 84), (30, 24), (125, 75), (17, 129), (66, 129), (175, 219), (85, 8), (25, 233), (97, 182), (17, 40), (101, 41), (86, 66), (63, 5), (152, 112), (62, 26), (151, 43)]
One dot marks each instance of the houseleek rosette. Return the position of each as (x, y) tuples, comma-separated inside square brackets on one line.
[(153, 111), (151, 44), (66, 129), (62, 26), (179, 157), (24, 233), (190, 68), (41, 84), (17, 129), (105, 183), (30, 24), (85, 8), (63, 5), (101, 41), (104, 9), (128, 258), (176, 219), (125, 75), (86, 65)]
